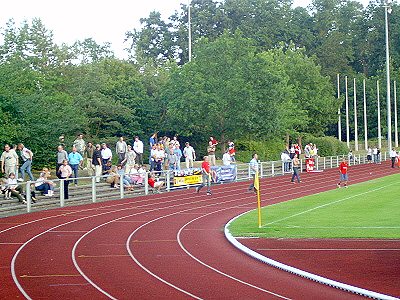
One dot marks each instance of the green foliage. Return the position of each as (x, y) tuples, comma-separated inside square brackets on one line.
[(266, 150), (327, 145)]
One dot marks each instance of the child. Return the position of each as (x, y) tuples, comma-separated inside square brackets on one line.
[(5, 190), (15, 188), (155, 184)]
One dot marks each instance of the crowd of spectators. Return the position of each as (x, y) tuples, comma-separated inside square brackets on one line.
[(97, 160)]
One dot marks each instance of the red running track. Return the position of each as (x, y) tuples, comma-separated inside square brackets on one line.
[(168, 246)]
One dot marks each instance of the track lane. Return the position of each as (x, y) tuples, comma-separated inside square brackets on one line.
[(269, 184)]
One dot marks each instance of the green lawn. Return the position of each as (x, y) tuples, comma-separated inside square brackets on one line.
[(366, 210)]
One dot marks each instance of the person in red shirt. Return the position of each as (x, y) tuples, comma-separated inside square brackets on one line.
[(343, 168), (206, 171), (156, 185)]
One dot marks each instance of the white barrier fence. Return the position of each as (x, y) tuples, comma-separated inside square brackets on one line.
[(267, 169)]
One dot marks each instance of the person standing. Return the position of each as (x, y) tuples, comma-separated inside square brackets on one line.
[(89, 158), (65, 173), (75, 160), (172, 158), (26, 156), (178, 154), (9, 161), (96, 161), (121, 148), (226, 158), (80, 144), (129, 160), (138, 148), (211, 153), (61, 156), (253, 165), (393, 155), (206, 174), (369, 155), (190, 155), (343, 168), (106, 155), (296, 169)]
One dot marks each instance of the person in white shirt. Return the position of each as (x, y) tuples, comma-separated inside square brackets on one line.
[(121, 148), (159, 156), (106, 155), (9, 161), (286, 161), (226, 158), (26, 156), (393, 155), (138, 148), (190, 155)]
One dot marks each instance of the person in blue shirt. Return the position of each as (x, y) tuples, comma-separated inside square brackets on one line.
[(75, 160)]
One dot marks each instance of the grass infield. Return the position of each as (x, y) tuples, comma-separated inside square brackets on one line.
[(366, 210)]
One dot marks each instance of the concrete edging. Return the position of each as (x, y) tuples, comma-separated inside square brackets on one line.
[(298, 272)]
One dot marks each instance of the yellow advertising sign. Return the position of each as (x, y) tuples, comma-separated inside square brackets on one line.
[(186, 180)]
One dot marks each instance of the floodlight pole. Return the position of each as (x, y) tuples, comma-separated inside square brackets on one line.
[(396, 133), (365, 118), (189, 32), (355, 116), (339, 114), (389, 117), (347, 115), (379, 116)]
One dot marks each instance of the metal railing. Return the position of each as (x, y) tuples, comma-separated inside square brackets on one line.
[(267, 169)]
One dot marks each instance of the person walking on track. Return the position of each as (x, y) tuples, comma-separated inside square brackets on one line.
[(343, 168), (296, 169), (206, 171)]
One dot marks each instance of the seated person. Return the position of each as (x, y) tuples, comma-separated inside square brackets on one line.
[(135, 176), (111, 175), (5, 190), (45, 186), (157, 185), (15, 188), (125, 178)]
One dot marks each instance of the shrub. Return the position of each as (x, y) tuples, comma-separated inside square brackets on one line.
[(327, 145), (266, 150)]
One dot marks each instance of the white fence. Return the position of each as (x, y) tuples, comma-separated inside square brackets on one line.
[(94, 191)]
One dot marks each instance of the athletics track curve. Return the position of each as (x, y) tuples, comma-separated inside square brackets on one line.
[(168, 246)]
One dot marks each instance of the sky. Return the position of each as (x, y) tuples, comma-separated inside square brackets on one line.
[(104, 21)]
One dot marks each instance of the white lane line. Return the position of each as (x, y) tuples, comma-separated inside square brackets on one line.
[(328, 249), (228, 187), (178, 237), (330, 203)]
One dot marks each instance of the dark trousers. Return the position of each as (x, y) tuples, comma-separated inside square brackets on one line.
[(104, 162), (75, 169), (139, 158), (57, 169), (17, 193), (296, 174), (393, 161), (44, 188), (251, 186), (66, 183)]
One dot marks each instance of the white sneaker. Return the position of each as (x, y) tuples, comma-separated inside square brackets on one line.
[(20, 180)]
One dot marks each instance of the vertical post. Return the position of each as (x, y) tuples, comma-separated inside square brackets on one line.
[(272, 169), (355, 116), (168, 180), (262, 170), (121, 186), (189, 32), (94, 189), (339, 114), (331, 162), (389, 116), (365, 118), (28, 196), (324, 163), (379, 117), (347, 115), (396, 133), (62, 199), (146, 183)]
